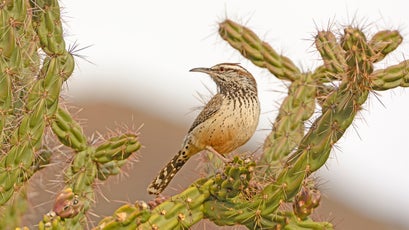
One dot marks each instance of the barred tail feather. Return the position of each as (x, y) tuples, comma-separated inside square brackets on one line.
[(167, 173)]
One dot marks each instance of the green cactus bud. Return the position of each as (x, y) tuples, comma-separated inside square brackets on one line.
[(306, 201), (52, 222)]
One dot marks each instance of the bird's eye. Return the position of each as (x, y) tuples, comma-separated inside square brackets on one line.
[(221, 68)]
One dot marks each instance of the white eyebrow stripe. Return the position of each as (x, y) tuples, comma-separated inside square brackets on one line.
[(234, 66)]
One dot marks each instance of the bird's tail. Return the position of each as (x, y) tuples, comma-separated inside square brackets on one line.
[(167, 173)]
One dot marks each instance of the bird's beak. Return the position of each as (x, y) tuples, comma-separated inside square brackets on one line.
[(201, 69)]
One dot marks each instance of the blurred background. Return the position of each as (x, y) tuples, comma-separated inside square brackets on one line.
[(134, 71)]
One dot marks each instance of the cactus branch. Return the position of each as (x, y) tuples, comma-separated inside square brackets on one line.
[(257, 51)]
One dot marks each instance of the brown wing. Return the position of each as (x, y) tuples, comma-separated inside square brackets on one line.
[(211, 108)]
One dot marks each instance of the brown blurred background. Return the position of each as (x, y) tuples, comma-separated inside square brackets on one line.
[(161, 140)]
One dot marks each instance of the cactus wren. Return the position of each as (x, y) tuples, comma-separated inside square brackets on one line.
[(227, 121)]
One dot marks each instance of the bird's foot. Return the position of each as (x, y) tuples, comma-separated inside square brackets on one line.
[(218, 155)]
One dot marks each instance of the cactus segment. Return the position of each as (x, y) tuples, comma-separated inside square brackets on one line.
[(257, 51)]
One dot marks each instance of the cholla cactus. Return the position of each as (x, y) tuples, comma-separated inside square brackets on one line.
[(29, 95), (34, 64), (252, 193), (258, 194)]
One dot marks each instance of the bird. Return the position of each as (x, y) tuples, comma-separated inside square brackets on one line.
[(227, 121)]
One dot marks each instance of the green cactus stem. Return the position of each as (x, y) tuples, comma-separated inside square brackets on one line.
[(384, 42), (332, 55), (257, 51), (89, 164), (12, 214), (214, 198), (68, 131), (289, 126), (391, 77)]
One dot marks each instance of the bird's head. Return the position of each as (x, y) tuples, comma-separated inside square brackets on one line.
[(230, 77)]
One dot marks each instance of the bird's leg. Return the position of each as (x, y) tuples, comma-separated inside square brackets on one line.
[(220, 156)]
